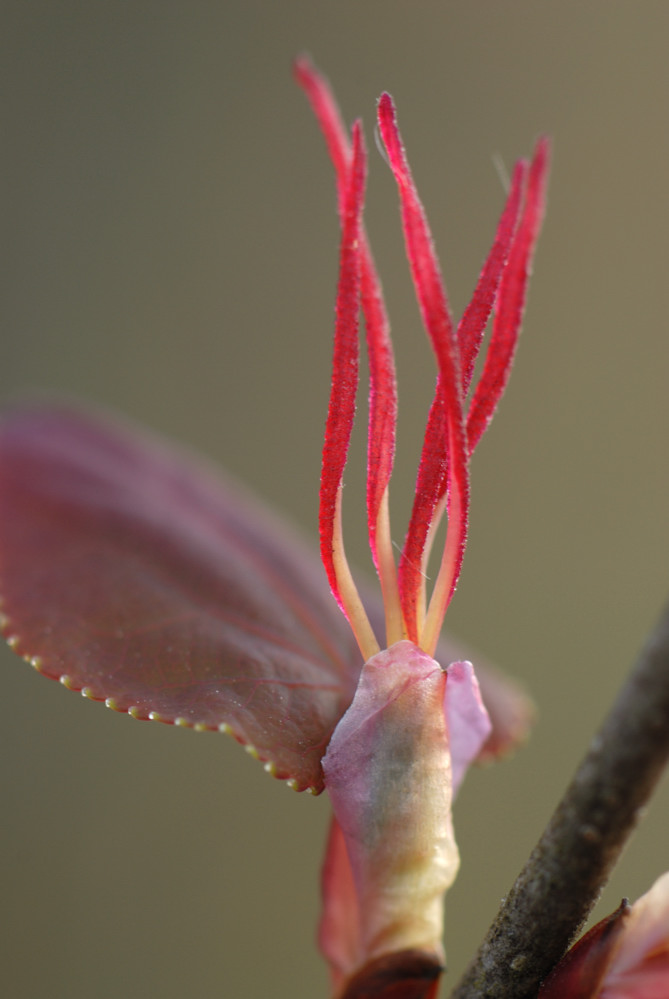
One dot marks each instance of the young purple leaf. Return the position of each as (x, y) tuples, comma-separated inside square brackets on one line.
[(137, 576)]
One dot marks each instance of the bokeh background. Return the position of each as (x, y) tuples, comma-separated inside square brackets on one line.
[(169, 251)]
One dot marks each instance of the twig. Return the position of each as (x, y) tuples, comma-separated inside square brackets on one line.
[(566, 871)]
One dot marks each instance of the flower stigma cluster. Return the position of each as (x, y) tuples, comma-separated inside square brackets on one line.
[(399, 753)]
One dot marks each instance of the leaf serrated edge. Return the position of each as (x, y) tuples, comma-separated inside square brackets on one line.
[(270, 767)]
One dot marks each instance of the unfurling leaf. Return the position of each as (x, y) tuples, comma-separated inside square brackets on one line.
[(134, 574)]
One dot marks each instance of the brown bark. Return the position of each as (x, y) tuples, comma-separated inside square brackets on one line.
[(566, 871)]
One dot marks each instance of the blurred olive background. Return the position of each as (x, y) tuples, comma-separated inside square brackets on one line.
[(169, 251)]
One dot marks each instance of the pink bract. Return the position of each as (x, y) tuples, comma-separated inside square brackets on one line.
[(392, 768)]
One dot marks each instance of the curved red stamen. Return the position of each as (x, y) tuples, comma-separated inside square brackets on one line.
[(341, 409), (327, 113), (475, 317), (432, 479), (510, 301), (431, 483), (434, 308), (382, 379), (450, 438)]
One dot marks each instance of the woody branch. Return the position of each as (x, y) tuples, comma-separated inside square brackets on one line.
[(565, 873)]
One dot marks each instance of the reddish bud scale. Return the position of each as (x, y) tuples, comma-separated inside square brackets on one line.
[(407, 974), (625, 956), (580, 972)]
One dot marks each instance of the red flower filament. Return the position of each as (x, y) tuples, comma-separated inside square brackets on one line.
[(453, 427)]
